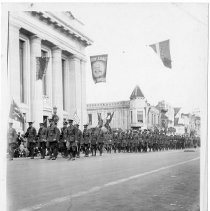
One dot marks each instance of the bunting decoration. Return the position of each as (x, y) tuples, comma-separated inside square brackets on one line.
[(42, 63), (15, 112), (99, 67), (162, 49)]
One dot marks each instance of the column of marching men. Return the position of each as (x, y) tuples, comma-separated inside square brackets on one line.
[(70, 141)]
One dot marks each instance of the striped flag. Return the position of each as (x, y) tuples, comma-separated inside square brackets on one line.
[(76, 119), (15, 112), (162, 49)]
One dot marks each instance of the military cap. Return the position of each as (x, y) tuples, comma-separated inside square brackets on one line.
[(65, 123), (50, 120), (70, 120), (41, 123), (54, 107), (77, 125), (85, 125), (30, 122)]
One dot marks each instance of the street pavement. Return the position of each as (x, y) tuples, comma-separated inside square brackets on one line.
[(156, 181)]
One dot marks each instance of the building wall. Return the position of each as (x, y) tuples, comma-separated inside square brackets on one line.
[(121, 113), (49, 32)]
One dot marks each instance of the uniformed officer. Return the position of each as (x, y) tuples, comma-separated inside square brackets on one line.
[(11, 138), (31, 138), (71, 140), (93, 141), (52, 135), (42, 139), (63, 140), (55, 117), (86, 138), (100, 141), (79, 139)]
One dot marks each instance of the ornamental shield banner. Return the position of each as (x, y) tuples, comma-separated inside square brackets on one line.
[(99, 66)]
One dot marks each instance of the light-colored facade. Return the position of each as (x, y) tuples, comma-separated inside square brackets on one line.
[(59, 36), (136, 112)]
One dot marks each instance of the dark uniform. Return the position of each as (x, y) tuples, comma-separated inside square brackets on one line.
[(71, 141), (100, 141), (52, 140), (79, 139), (93, 141), (63, 140), (31, 138), (11, 138), (42, 139), (86, 138)]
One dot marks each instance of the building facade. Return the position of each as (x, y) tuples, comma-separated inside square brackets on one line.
[(59, 36), (135, 113)]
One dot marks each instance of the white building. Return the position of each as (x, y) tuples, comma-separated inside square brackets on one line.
[(136, 112), (59, 36)]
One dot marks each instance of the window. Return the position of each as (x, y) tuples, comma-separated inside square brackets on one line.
[(131, 117), (140, 116), (22, 61), (63, 83), (44, 81), (90, 119)]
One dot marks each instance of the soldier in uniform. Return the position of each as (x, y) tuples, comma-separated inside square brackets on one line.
[(100, 141), (31, 138), (93, 141), (55, 117), (63, 140), (86, 138), (79, 139), (11, 137), (52, 135), (42, 138), (71, 140)]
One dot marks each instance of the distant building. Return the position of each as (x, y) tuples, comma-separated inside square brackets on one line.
[(135, 113)]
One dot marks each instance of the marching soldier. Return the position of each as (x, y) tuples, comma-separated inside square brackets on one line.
[(79, 139), (86, 138), (52, 135), (42, 138), (63, 139), (31, 138), (11, 137), (100, 141), (71, 141), (93, 140)]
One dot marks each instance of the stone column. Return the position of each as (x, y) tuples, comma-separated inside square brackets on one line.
[(83, 89), (36, 95), (14, 63), (75, 88), (57, 92)]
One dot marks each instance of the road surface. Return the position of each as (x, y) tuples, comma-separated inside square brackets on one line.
[(156, 181)]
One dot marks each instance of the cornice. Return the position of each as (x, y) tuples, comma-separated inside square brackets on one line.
[(58, 23), (47, 36)]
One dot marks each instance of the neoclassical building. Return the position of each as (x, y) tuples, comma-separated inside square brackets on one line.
[(59, 36), (135, 113)]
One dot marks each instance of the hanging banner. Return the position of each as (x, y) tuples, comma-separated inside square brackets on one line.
[(42, 63), (99, 66), (162, 49)]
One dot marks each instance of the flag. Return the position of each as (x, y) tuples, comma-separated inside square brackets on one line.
[(42, 63), (99, 67), (76, 119), (15, 112), (162, 49), (100, 121)]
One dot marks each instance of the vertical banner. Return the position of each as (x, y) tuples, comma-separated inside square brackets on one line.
[(99, 67), (42, 63)]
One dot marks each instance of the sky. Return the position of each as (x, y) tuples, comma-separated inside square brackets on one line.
[(124, 31)]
